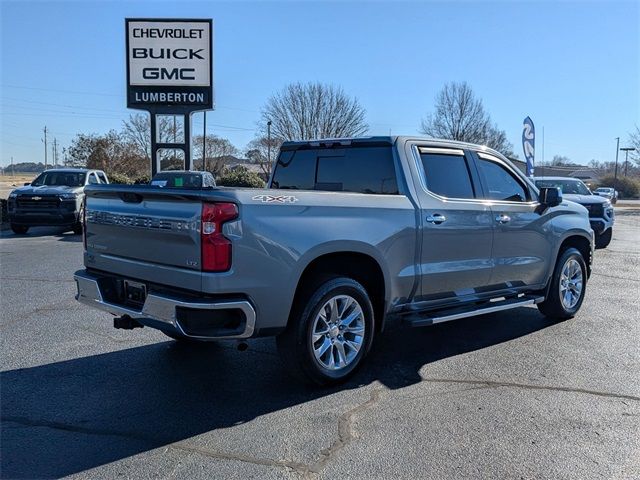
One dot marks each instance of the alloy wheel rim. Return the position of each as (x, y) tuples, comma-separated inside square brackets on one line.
[(338, 332), (571, 284)]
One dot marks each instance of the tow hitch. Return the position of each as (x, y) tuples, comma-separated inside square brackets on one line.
[(126, 322)]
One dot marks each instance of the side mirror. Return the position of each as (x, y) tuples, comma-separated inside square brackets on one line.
[(550, 196)]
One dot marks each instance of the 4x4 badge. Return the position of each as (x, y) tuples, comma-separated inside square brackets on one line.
[(275, 198)]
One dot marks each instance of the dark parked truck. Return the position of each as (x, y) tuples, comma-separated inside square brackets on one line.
[(348, 235), (54, 198)]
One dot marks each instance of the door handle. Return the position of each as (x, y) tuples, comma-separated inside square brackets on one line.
[(436, 218), (502, 218)]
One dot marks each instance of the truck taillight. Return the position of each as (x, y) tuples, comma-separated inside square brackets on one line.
[(216, 248)]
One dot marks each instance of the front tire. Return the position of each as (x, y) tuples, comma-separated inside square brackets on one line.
[(568, 286), (604, 239), (329, 333), (19, 229)]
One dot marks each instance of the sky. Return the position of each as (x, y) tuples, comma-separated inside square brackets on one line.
[(573, 67)]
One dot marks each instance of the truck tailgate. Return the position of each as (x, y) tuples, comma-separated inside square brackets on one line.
[(130, 227)]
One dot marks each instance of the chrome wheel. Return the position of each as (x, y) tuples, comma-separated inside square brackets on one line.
[(571, 284), (338, 332)]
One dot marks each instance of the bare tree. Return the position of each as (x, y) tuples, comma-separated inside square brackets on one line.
[(459, 115), (219, 151), (110, 152), (262, 151), (137, 132), (634, 141), (313, 110)]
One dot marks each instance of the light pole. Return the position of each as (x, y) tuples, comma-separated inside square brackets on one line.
[(269, 142), (615, 173), (626, 151)]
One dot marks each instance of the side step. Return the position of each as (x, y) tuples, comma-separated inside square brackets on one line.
[(431, 318)]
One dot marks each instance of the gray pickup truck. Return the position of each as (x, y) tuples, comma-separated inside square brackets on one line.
[(348, 235), (54, 198)]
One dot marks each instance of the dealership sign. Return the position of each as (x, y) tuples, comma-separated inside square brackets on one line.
[(169, 64)]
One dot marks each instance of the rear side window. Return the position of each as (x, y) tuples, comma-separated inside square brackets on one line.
[(357, 169), (447, 175)]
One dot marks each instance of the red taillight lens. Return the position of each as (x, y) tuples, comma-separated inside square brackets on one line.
[(216, 248)]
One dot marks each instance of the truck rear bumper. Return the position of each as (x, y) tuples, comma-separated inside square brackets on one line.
[(201, 319)]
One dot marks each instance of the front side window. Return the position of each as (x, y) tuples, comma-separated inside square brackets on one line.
[(501, 183), (447, 175)]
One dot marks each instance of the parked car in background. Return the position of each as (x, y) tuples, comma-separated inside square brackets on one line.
[(349, 234), (183, 179), (607, 192), (54, 198), (601, 214)]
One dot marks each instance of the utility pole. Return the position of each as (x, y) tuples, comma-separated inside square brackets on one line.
[(615, 174), (626, 151), (45, 147), (12, 170), (269, 143), (54, 151)]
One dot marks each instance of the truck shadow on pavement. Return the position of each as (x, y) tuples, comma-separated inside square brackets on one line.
[(70, 416)]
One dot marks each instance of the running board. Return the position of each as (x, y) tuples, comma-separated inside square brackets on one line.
[(431, 318)]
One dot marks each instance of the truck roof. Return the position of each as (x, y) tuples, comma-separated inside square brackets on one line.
[(382, 140), (72, 170)]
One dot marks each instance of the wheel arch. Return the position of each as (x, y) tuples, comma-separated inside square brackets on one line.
[(358, 264)]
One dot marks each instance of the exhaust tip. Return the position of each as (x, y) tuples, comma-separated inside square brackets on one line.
[(242, 346)]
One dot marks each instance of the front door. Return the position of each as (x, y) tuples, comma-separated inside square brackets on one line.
[(521, 244)]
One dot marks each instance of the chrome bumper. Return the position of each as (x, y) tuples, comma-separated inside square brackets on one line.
[(159, 309)]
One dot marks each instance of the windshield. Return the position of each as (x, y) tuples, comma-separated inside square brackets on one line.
[(604, 190), (52, 179), (566, 186)]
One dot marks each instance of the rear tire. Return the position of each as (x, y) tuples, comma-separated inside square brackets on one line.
[(568, 286), (19, 229), (604, 239), (330, 331), (77, 229)]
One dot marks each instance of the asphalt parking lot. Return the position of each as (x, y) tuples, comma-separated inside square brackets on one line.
[(508, 395)]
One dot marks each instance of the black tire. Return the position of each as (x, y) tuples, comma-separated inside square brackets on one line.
[(19, 229), (604, 239), (77, 229), (553, 306), (295, 344)]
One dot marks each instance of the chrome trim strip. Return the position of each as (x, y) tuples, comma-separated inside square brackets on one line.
[(441, 150), (482, 311), (160, 308)]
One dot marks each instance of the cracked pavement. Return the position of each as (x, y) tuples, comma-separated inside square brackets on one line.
[(508, 395)]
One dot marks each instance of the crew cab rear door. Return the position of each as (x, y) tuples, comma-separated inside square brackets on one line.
[(521, 246), (456, 227)]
